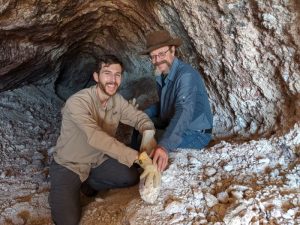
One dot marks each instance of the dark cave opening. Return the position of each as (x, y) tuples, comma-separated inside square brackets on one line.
[(76, 73)]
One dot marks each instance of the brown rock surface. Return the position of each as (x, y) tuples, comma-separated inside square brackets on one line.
[(248, 52)]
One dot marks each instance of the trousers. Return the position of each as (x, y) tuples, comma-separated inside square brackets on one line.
[(64, 197), (191, 139)]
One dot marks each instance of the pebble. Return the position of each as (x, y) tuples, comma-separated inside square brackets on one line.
[(210, 171), (2, 175), (223, 197), (228, 167), (99, 199), (175, 207), (276, 213), (211, 200), (198, 194), (237, 194)]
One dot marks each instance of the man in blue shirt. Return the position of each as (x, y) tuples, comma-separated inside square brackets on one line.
[(183, 110)]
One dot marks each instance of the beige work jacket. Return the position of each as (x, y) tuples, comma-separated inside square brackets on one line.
[(88, 131)]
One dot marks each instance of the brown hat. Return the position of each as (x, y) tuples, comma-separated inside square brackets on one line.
[(158, 39)]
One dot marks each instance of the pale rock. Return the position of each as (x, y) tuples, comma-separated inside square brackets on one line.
[(99, 199), (203, 221), (198, 194), (18, 220), (223, 197), (212, 180), (274, 173), (3, 175), (210, 199), (270, 21), (194, 160), (175, 206), (276, 213), (228, 167), (296, 201), (287, 216), (148, 193), (237, 194), (239, 215), (210, 171), (292, 212), (177, 217)]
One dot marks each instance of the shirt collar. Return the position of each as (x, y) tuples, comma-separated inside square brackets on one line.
[(96, 98)]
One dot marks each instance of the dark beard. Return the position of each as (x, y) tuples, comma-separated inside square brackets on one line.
[(102, 87)]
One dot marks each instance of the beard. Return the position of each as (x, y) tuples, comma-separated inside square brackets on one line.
[(103, 88), (157, 72)]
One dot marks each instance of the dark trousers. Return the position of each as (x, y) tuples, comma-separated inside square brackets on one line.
[(190, 139), (64, 197)]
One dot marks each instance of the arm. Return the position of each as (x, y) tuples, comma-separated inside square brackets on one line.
[(78, 112), (134, 117), (185, 101)]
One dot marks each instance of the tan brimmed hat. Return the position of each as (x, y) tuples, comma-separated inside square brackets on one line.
[(158, 39)]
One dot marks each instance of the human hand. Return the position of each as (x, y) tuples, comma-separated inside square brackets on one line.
[(134, 103), (151, 174), (148, 141), (160, 158)]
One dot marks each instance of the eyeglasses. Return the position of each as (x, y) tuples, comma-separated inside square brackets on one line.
[(160, 55)]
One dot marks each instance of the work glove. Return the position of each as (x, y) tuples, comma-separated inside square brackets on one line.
[(134, 103), (151, 174), (148, 141)]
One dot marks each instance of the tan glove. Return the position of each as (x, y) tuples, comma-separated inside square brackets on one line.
[(134, 103), (148, 141), (151, 174)]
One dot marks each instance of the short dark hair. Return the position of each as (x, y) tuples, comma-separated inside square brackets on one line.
[(108, 60)]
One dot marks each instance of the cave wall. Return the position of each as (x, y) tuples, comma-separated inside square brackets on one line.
[(247, 51)]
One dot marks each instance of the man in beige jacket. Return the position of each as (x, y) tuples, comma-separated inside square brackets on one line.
[(87, 154)]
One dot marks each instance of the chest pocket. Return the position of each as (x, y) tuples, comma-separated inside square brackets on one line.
[(111, 122)]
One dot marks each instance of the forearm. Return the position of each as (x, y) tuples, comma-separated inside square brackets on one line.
[(112, 147), (136, 118), (172, 136)]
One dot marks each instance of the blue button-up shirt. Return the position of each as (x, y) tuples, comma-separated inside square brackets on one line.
[(183, 103)]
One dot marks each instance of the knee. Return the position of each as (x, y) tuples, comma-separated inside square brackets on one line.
[(124, 178), (131, 177)]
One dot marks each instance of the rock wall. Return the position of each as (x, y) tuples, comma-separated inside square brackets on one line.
[(249, 54), (247, 51)]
